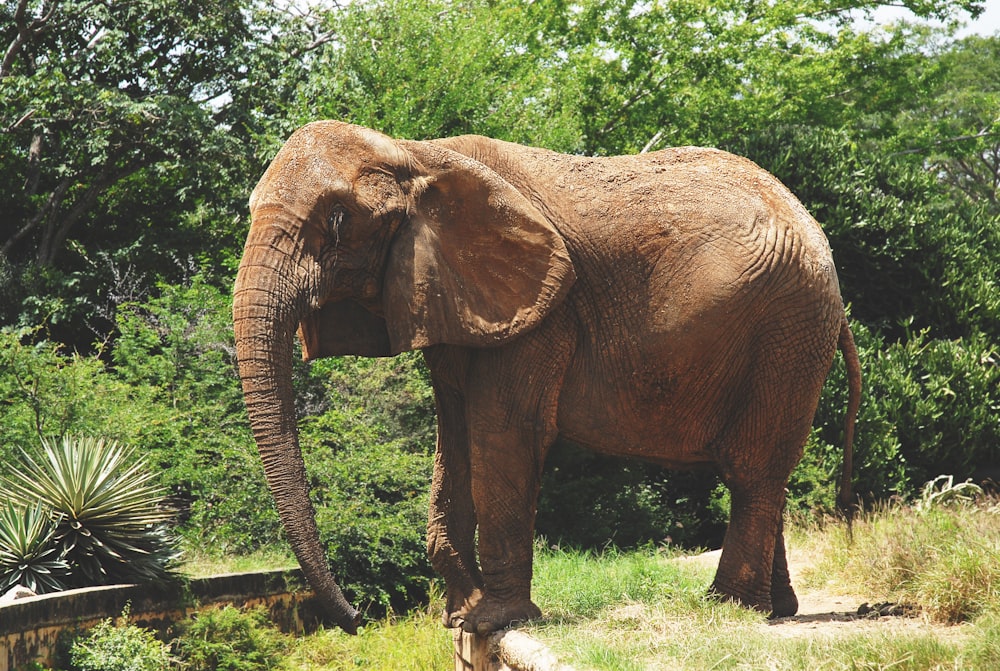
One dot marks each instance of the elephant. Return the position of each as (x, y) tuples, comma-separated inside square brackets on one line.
[(680, 307)]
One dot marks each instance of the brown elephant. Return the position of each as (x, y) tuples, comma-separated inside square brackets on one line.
[(680, 307)]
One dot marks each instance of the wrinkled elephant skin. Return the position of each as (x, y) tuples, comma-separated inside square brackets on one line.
[(680, 307)]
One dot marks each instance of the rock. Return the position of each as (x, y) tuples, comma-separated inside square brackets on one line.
[(14, 593)]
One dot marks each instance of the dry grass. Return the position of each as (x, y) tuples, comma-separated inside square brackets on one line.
[(944, 559)]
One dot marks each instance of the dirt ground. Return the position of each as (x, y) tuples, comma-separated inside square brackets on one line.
[(829, 613)]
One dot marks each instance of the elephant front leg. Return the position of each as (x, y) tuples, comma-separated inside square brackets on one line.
[(451, 530), (451, 525), (511, 407), (505, 479)]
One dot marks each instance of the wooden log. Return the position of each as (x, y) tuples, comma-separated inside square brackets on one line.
[(509, 650), (473, 652)]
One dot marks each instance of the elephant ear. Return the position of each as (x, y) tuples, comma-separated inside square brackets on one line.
[(476, 264), (343, 327)]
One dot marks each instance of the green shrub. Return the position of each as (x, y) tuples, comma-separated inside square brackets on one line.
[(371, 501), (590, 500), (230, 639), (368, 452), (48, 391), (178, 347), (928, 405), (29, 554), (909, 251), (110, 526), (120, 647)]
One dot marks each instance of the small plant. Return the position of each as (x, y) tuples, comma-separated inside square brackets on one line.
[(942, 490), (110, 527), (28, 554), (230, 639), (120, 647)]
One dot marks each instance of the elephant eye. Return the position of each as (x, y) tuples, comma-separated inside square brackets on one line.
[(333, 221)]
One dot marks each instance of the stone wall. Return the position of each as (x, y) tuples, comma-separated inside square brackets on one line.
[(31, 628)]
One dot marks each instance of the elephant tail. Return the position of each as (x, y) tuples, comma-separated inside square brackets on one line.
[(845, 499)]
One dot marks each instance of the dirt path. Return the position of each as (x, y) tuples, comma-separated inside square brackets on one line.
[(829, 613)]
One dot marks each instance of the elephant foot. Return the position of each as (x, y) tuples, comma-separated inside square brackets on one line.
[(784, 603), (459, 603), (759, 603), (492, 614)]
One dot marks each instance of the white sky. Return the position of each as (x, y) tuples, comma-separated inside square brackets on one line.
[(987, 24)]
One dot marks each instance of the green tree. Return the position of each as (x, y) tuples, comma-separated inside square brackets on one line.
[(954, 128), (128, 134), (432, 69)]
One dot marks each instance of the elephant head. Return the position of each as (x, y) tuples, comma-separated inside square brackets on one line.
[(366, 245)]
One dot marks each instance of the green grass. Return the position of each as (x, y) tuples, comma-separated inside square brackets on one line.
[(626, 612), (196, 563), (416, 642)]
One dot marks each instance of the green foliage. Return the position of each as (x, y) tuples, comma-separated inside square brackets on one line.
[(178, 347), (120, 647), (375, 537), (110, 527), (230, 639), (126, 144), (46, 391), (369, 462), (955, 129), (172, 388), (472, 67), (927, 404), (28, 551), (590, 500), (907, 253)]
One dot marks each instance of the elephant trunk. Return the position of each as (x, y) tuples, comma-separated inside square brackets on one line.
[(264, 320)]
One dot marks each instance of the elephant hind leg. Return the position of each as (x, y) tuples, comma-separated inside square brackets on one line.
[(784, 603), (748, 551), (773, 414)]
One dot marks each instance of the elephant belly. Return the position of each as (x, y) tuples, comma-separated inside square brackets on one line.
[(664, 414)]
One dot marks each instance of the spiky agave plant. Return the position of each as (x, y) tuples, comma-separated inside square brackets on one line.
[(29, 553), (111, 526)]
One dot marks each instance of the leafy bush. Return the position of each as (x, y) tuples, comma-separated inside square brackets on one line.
[(48, 391), (29, 555), (230, 639), (120, 647), (371, 500), (178, 347), (110, 527), (927, 404), (368, 449), (590, 500)]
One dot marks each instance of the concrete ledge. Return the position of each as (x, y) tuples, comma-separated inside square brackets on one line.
[(30, 628)]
